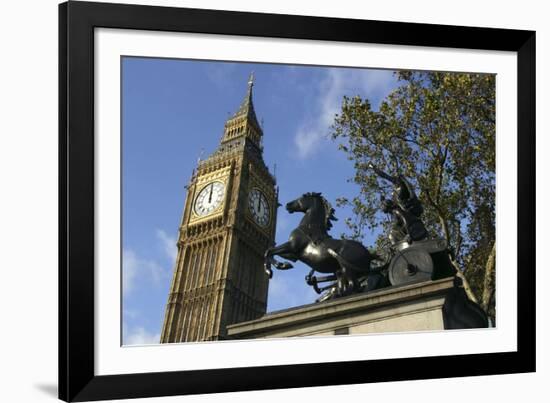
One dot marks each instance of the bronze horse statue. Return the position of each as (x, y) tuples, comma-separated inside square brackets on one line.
[(347, 261)]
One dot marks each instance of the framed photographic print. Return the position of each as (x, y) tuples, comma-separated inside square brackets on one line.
[(257, 201)]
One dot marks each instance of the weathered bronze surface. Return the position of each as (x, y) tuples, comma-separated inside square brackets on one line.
[(346, 260), (405, 208), (411, 257), (346, 264)]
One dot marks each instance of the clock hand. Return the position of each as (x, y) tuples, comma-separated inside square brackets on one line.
[(210, 196)]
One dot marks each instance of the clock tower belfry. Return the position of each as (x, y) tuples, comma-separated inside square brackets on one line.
[(228, 222)]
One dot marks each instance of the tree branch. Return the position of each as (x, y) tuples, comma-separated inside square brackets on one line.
[(489, 279), (465, 282)]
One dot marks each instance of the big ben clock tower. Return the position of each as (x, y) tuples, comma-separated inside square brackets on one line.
[(228, 222)]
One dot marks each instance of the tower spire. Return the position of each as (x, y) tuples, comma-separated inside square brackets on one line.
[(247, 106), (250, 82), (244, 121), (249, 92)]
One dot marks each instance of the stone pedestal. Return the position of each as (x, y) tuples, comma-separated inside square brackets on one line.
[(430, 305)]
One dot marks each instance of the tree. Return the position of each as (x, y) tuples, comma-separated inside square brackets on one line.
[(438, 130)]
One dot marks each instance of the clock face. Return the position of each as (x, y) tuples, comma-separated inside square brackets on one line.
[(209, 198), (258, 207)]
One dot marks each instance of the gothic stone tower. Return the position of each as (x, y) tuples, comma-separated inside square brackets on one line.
[(228, 222)]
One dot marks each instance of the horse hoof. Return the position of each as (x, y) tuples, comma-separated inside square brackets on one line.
[(269, 272)]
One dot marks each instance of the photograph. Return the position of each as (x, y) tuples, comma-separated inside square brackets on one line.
[(258, 200), (269, 200)]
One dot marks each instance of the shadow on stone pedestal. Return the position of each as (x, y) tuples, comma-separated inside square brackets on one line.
[(430, 305)]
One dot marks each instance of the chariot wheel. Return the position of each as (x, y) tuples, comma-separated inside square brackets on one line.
[(410, 266)]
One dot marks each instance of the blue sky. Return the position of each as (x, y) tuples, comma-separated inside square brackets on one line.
[(173, 112)]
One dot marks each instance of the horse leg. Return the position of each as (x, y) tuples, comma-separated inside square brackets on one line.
[(284, 250), (350, 282), (314, 281), (349, 272), (341, 288)]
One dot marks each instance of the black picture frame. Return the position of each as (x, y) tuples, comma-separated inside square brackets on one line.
[(77, 21)]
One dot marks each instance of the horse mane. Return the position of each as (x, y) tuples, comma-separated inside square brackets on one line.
[(329, 210)]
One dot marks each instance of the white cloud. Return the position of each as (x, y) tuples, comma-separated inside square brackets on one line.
[(129, 270), (135, 268), (139, 335), (307, 140), (337, 83), (169, 245)]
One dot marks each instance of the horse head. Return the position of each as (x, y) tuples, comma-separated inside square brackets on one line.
[(313, 202), (301, 204)]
